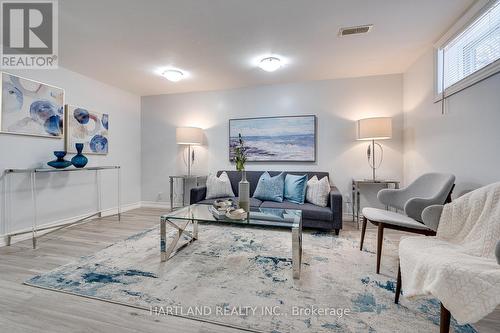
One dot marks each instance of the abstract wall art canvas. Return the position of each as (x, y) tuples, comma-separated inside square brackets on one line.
[(30, 107), (275, 139), (88, 127)]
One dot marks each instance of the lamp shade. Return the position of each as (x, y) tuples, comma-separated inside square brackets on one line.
[(375, 128), (189, 135)]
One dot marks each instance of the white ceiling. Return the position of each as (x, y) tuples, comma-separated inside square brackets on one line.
[(123, 43)]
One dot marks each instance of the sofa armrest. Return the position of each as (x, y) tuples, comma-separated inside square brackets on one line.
[(197, 194), (336, 206), (431, 216)]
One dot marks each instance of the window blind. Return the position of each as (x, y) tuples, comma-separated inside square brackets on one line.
[(475, 48)]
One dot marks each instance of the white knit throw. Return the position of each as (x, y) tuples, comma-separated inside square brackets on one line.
[(458, 265)]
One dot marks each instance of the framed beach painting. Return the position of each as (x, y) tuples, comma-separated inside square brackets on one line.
[(275, 139), (30, 107), (88, 127)]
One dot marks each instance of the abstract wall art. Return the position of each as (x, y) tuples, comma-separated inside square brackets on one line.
[(31, 108), (88, 127), (275, 139)]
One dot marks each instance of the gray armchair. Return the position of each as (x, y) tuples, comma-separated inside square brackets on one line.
[(429, 189), (421, 202)]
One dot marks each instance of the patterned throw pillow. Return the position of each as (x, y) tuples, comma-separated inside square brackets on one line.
[(318, 191), (219, 187), (270, 188)]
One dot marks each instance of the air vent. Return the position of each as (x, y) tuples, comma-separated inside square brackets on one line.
[(360, 29)]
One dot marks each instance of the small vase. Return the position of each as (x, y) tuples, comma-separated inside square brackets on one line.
[(60, 162), (79, 161), (244, 192)]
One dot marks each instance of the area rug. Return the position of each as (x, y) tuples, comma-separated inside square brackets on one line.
[(242, 277)]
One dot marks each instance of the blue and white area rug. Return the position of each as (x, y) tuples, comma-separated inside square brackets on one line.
[(242, 277)]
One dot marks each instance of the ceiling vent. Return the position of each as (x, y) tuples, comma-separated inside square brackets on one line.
[(360, 29)]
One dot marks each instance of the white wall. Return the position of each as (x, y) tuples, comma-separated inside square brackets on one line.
[(63, 196), (465, 141), (337, 104)]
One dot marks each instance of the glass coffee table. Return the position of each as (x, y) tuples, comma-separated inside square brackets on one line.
[(191, 215)]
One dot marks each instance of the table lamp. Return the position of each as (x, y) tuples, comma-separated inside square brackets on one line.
[(379, 128), (189, 136)]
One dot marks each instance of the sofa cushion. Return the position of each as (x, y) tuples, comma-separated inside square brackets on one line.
[(270, 188), (253, 202), (295, 188), (218, 187), (309, 211), (253, 177), (318, 191)]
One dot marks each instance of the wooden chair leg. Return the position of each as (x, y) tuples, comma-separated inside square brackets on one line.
[(380, 239), (444, 324), (363, 230), (398, 286)]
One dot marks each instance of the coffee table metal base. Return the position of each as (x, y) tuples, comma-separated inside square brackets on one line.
[(167, 253), (181, 225), (296, 252)]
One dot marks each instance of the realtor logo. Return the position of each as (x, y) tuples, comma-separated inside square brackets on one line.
[(29, 34)]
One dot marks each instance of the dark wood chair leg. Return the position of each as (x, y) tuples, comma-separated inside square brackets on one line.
[(337, 231), (363, 230), (444, 326), (380, 239), (398, 286)]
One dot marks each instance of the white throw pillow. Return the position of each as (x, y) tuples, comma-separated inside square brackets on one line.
[(219, 187), (318, 191)]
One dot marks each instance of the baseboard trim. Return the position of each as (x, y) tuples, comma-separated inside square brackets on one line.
[(55, 224), (155, 204)]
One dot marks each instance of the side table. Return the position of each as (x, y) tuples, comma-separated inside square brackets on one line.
[(356, 193), (185, 180)]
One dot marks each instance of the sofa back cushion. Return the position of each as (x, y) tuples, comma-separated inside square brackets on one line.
[(253, 177)]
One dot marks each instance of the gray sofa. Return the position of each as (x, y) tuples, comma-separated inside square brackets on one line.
[(313, 216)]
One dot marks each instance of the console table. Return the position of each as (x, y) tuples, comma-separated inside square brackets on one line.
[(33, 175), (198, 180), (356, 193)]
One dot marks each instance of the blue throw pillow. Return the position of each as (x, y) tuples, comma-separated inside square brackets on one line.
[(270, 188), (295, 188)]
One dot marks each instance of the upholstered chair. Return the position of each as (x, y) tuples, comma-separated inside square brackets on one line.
[(427, 190)]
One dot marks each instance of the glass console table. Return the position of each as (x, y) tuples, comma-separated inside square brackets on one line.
[(185, 180), (191, 215), (356, 200), (33, 176)]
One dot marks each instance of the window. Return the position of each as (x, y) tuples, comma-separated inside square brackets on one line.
[(470, 55)]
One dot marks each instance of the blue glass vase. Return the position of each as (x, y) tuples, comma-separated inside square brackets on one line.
[(60, 162), (79, 161)]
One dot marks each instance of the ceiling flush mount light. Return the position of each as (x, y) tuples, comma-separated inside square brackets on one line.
[(270, 64), (173, 75)]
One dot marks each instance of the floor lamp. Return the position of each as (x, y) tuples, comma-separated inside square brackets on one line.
[(379, 128), (189, 136)]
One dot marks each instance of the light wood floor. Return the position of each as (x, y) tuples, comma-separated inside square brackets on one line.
[(29, 309)]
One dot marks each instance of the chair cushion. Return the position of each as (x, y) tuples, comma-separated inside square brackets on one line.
[(388, 217), (309, 211), (270, 188), (253, 202)]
